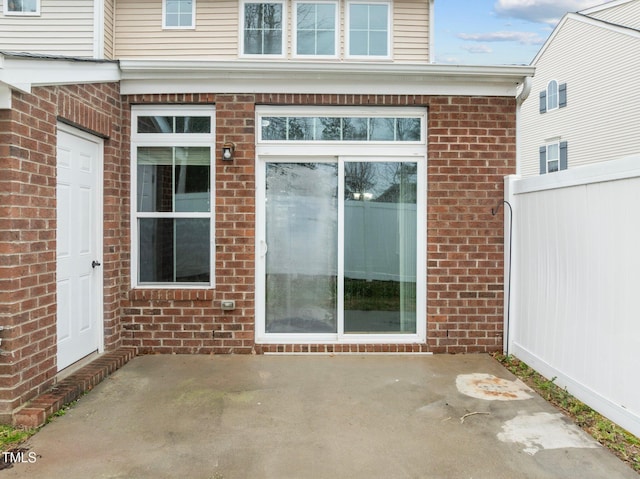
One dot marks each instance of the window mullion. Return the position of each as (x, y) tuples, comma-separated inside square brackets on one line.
[(340, 272)]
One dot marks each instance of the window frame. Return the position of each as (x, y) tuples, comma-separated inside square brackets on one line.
[(178, 27), (15, 13), (241, 43), (170, 140), (340, 152), (336, 27), (561, 146), (553, 93), (347, 32), (555, 147)]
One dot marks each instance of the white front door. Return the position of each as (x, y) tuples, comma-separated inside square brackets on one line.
[(79, 245)]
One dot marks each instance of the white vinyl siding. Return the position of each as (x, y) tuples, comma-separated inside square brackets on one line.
[(600, 121), (64, 27), (627, 15), (411, 31), (139, 32)]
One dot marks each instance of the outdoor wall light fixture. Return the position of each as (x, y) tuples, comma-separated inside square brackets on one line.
[(227, 150)]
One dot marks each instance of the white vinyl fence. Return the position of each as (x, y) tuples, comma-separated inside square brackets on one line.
[(574, 312)]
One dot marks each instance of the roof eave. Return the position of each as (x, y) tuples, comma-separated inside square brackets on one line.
[(175, 76)]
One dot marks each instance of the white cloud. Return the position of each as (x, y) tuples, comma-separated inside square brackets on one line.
[(541, 11), (523, 38), (472, 48)]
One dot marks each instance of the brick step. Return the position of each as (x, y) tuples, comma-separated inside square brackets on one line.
[(36, 412)]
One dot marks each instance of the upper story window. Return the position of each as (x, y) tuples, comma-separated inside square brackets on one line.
[(172, 224), (22, 7), (553, 97), (263, 28), (179, 14), (369, 29), (553, 157), (316, 29)]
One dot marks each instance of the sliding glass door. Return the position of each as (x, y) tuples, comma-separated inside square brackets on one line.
[(339, 248)]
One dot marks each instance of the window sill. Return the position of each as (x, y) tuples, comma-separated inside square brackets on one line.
[(174, 294)]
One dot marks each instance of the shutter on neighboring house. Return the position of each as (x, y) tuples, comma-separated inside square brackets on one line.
[(562, 95), (543, 101), (543, 160), (563, 155)]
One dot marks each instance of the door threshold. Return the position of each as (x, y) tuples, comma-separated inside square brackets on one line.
[(72, 368)]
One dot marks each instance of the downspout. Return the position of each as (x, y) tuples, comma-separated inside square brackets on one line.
[(98, 29), (522, 96), (520, 99)]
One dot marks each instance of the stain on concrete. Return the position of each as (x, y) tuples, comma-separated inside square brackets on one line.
[(492, 388), (543, 430)]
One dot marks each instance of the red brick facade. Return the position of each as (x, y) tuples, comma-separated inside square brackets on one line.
[(28, 228), (471, 147)]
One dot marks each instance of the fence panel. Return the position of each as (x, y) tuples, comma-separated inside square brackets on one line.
[(575, 287)]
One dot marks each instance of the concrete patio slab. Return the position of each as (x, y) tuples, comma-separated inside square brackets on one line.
[(351, 416)]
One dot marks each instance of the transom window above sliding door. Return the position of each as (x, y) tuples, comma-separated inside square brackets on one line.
[(316, 29), (179, 13), (263, 28), (172, 196), (351, 129)]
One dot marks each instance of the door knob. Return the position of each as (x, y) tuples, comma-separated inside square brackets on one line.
[(95, 263)]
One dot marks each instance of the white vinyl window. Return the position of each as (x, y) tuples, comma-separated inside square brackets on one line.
[(263, 28), (552, 95), (179, 13), (316, 29), (172, 169), (553, 157), (368, 29), (340, 229), (22, 7)]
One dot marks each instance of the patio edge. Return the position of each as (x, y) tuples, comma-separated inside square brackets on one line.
[(35, 413)]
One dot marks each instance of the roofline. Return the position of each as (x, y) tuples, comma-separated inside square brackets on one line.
[(604, 6), (23, 71), (187, 76), (581, 17)]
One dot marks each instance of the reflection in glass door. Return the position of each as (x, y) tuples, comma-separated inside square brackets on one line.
[(380, 247), (341, 248), (302, 239)]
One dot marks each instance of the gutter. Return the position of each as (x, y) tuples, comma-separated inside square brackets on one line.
[(245, 76)]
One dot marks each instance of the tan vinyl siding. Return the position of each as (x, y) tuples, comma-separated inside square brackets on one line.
[(601, 120), (411, 31), (64, 27), (139, 32), (109, 11), (627, 15)]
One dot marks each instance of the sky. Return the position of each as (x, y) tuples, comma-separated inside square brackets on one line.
[(497, 32)]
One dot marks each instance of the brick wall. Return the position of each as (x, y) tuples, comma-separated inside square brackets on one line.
[(471, 146), (28, 229), (191, 321)]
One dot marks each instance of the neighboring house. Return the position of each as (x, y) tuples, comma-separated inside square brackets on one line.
[(580, 109), (238, 176)]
